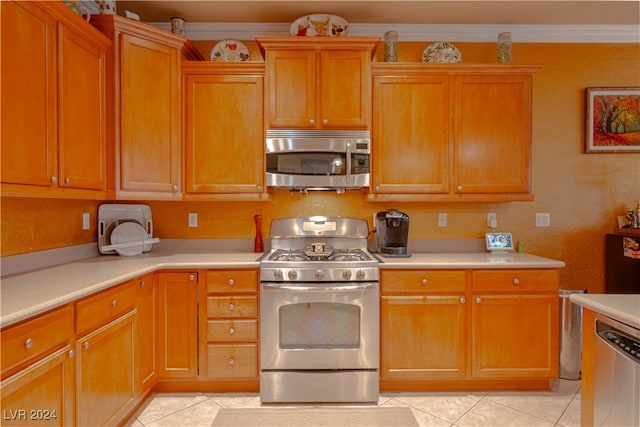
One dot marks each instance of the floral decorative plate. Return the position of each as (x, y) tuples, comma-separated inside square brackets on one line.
[(441, 52), (230, 51), (319, 25)]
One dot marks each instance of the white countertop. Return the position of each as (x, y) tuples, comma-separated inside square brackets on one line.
[(624, 308), (469, 260), (28, 294)]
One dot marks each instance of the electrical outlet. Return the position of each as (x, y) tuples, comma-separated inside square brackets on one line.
[(492, 220), (86, 221), (543, 219), (442, 220), (193, 219)]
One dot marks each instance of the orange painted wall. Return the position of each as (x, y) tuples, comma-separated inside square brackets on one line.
[(582, 192)]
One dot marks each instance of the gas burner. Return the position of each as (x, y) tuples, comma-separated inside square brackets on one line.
[(349, 255), (288, 255)]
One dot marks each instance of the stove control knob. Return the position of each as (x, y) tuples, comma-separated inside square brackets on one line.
[(346, 274), (319, 273), (277, 274), (360, 274), (292, 274)]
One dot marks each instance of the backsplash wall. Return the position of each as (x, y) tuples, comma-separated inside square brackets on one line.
[(582, 192)]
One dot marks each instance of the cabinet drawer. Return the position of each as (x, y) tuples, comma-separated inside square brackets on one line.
[(422, 281), (515, 281), (36, 337), (232, 281), (101, 308), (232, 330), (232, 361), (232, 306)]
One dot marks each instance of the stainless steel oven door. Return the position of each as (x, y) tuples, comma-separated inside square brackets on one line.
[(319, 326)]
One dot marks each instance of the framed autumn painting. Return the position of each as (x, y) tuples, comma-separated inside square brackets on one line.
[(613, 120)]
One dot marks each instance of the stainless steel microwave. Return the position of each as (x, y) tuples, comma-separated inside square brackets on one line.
[(318, 160)]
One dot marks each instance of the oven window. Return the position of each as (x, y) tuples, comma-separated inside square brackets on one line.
[(319, 325)]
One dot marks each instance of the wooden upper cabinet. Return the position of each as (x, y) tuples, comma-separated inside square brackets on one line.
[(411, 145), (318, 82), (493, 134), (224, 136), (451, 132), (53, 139), (146, 97)]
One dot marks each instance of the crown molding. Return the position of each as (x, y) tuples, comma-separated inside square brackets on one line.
[(429, 32)]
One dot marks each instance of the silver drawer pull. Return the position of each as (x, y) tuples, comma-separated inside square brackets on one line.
[(114, 303), (231, 282), (516, 281), (231, 306), (424, 282), (192, 277), (463, 300), (28, 343), (478, 300), (232, 361), (231, 331)]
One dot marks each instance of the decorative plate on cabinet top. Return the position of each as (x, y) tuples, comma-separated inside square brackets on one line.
[(319, 25), (441, 52), (230, 51)]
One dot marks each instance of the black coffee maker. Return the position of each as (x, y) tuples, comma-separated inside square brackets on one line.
[(392, 232)]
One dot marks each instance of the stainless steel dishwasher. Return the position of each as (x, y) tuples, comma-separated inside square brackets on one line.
[(617, 374)]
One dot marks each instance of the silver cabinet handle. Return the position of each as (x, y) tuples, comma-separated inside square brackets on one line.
[(114, 303), (192, 277), (312, 122), (325, 121), (232, 361), (377, 188), (28, 343), (231, 282), (231, 331), (424, 282), (231, 306), (71, 353), (459, 188), (516, 281), (175, 187), (478, 300), (85, 345), (54, 179), (67, 180), (463, 300), (142, 283)]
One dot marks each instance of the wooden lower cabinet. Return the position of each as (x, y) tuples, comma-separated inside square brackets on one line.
[(469, 329), (177, 310), (232, 326), (105, 373), (147, 334)]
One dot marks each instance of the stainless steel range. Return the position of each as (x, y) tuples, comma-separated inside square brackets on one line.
[(319, 312)]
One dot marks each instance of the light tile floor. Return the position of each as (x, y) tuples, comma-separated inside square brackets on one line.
[(558, 407)]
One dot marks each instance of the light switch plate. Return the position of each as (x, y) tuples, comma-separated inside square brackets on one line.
[(442, 219), (543, 219), (193, 219)]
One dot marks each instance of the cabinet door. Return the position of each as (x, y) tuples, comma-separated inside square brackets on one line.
[(422, 337), (344, 100), (515, 336), (224, 134), (41, 394), (147, 333), (106, 372), (178, 325), (29, 100), (492, 134), (411, 152), (150, 116), (82, 133), (291, 89)]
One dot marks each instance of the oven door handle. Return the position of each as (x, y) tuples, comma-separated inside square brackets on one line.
[(344, 288)]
